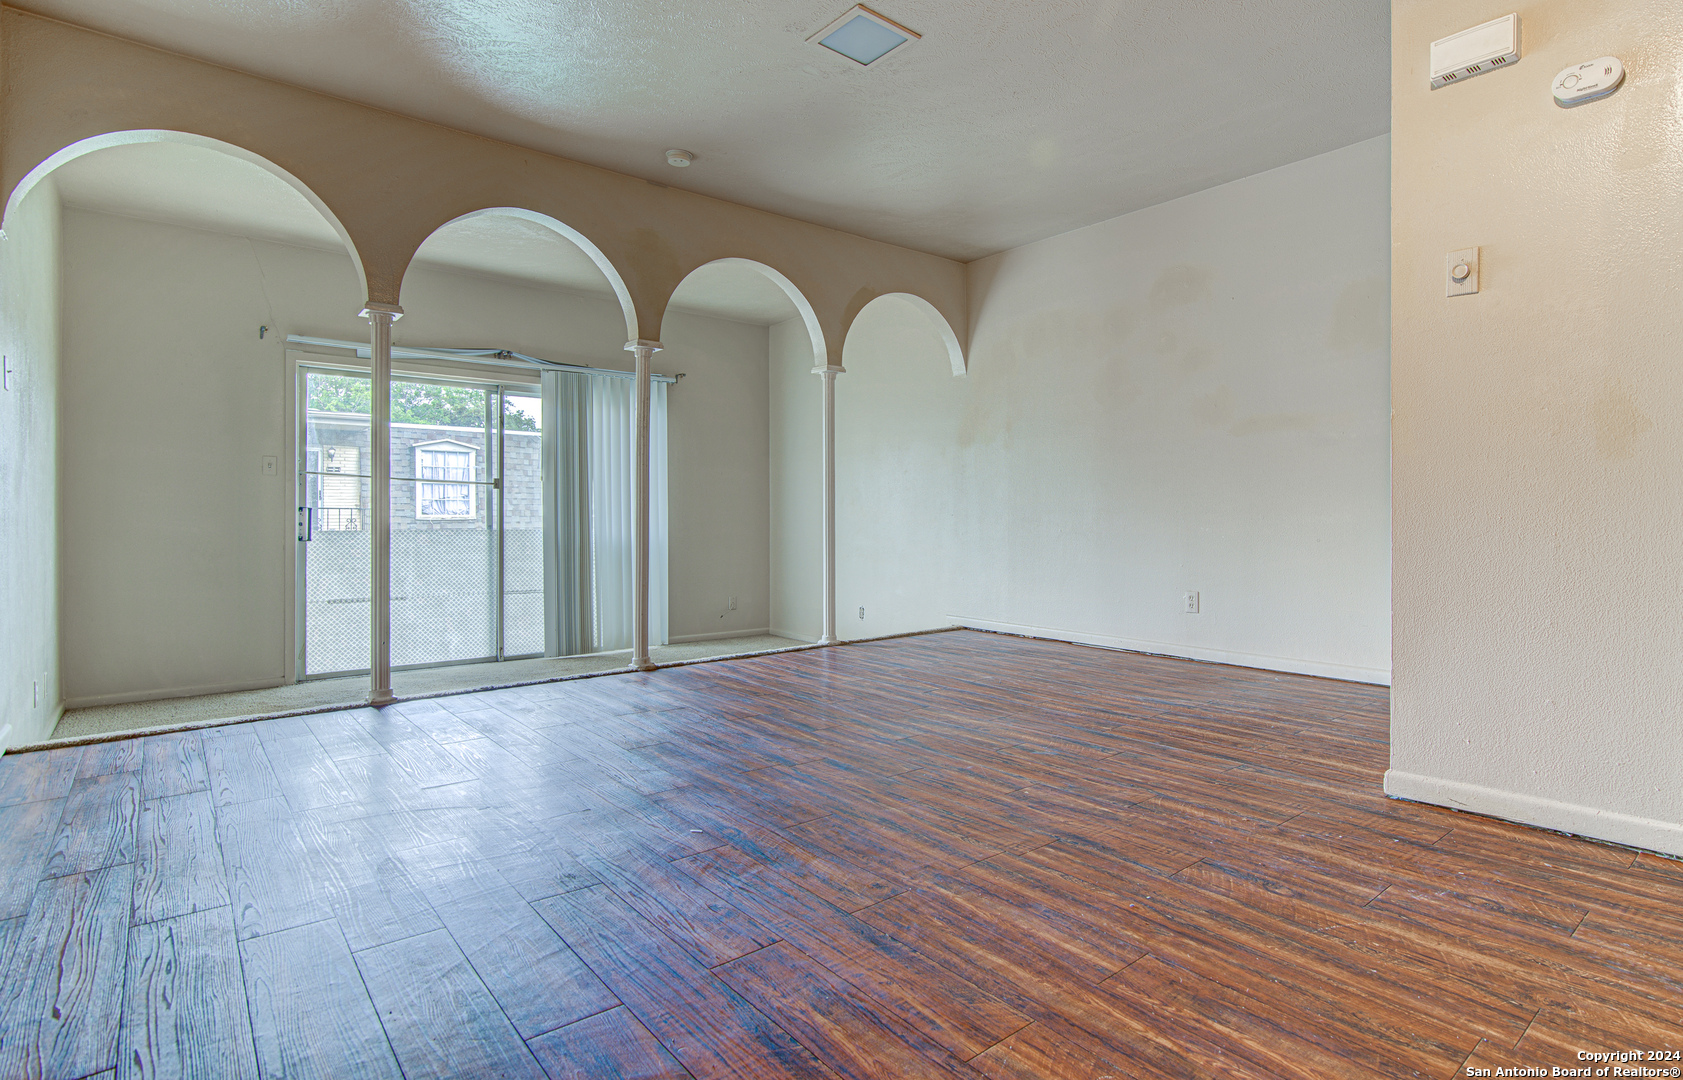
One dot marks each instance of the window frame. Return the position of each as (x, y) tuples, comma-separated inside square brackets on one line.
[(422, 483)]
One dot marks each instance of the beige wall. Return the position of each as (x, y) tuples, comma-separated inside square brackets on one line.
[(174, 546), (1539, 424), (391, 181), (1190, 397), (718, 479), (797, 462), (29, 340), (906, 494)]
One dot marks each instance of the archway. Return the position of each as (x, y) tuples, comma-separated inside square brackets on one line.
[(507, 240), (511, 318), (746, 512), (900, 467), (185, 262), (937, 322), (143, 136)]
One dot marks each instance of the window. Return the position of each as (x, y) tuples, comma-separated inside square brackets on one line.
[(443, 485), (339, 488)]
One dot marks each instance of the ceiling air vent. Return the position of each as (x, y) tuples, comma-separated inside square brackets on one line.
[(863, 36)]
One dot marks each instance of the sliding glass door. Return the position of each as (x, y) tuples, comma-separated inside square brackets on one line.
[(466, 523)]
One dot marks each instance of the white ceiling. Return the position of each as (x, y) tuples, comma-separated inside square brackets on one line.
[(1006, 123), (206, 189)]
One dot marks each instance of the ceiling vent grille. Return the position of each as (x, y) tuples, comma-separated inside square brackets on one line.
[(863, 36)]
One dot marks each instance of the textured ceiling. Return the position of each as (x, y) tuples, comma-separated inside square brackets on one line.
[(1006, 123)]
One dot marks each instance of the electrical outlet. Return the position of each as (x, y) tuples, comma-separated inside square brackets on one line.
[(1191, 600), (271, 466), (861, 612)]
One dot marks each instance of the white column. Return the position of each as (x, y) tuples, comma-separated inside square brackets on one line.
[(828, 374), (643, 351), (380, 318)]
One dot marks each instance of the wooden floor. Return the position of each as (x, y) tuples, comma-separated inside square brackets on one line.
[(951, 855)]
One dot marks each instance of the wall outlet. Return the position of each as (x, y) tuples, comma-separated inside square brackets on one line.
[(1191, 601), (861, 612), (271, 466)]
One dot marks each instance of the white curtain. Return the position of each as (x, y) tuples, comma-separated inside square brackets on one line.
[(610, 483)]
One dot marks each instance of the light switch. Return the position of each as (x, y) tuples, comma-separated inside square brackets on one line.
[(271, 466), (1461, 272)]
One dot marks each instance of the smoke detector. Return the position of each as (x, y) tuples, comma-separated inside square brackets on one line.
[(679, 159)]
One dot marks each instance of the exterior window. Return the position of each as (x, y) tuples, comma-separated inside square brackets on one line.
[(443, 490), (339, 490)]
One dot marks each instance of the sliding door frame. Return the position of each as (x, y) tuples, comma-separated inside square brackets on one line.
[(299, 366)]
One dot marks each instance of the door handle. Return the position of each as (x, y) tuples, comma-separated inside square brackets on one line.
[(306, 523)]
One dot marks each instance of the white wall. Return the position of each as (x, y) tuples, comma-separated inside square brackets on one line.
[(29, 339), (797, 461), (174, 547), (905, 492), (1190, 397), (718, 453), (1539, 427)]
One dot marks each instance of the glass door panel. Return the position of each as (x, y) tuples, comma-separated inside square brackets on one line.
[(467, 561), (333, 483), (444, 523), (522, 523)]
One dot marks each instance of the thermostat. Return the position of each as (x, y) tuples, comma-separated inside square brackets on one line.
[(1586, 82), (1483, 48)]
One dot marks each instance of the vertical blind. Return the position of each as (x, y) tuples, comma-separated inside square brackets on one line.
[(589, 488)]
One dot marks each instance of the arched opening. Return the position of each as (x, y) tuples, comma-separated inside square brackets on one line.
[(746, 516), (505, 309), (898, 452), (937, 324), (212, 202), (162, 383)]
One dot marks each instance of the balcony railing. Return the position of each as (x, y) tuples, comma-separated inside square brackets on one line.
[(339, 519)]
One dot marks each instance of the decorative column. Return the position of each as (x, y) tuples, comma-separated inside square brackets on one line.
[(828, 373), (380, 318), (643, 351)]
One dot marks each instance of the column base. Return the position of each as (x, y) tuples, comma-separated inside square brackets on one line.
[(825, 640), (645, 664), (384, 697)]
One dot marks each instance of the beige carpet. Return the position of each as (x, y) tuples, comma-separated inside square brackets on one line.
[(330, 693)]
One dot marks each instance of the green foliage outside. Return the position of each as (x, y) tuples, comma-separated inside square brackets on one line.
[(412, 403)]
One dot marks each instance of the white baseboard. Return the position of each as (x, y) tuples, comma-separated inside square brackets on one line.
[(1627, 829), (685, 639), (1347, 672), (172, 692), (792, 636)]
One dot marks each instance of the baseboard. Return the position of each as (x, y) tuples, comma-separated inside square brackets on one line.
[(792, 636), (1587, 821), (685, 639), (173, 692), (1346, 672)]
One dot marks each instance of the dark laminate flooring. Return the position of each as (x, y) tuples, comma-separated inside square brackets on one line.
[(942, 856)]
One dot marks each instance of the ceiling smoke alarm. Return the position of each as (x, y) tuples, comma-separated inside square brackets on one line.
[(679, 159)]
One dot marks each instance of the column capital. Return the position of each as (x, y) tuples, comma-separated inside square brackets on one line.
[(829, 369), (374, 307), (640, 343)]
